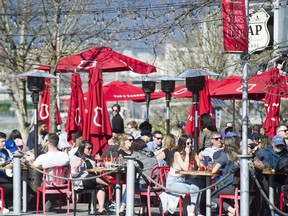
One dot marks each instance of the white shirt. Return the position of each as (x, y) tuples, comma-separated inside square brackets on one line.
[(52, 159)]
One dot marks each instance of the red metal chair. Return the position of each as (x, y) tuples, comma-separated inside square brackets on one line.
[(53, 185), (236, 196), (2, 198), (282, 196), (152, 189)]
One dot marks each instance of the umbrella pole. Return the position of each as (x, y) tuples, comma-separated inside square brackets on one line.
[(147, 99), (234, 114), (195, 102)]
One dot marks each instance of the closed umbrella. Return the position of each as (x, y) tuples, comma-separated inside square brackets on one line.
[(272, 103), (97, 127), (44, 106), (76, 110)]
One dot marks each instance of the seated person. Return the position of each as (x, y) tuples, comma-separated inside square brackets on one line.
[(181, 159), (113, 146), (164, 155), (226, 162), (125, 148), (53, 157), (5, 181), (146, 160), (79, 166), (216, 146)]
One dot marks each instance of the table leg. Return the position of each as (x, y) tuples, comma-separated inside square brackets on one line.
[(24, 190), (208, 196), (271, 193), (118, 192)]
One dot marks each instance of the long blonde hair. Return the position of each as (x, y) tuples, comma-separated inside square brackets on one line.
[(169, 142), (123, 138)]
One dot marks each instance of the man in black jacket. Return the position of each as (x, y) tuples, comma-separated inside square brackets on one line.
[(117, 120)]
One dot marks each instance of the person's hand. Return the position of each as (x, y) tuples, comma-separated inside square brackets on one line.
[(200, 156), (188, 150), (97, 156), (79, 162), (258, 164)]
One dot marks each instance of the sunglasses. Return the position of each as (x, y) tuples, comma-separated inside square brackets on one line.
[(89, 148), (159, 138), (217, 138), (131, 140), (188, 143), (280, 146), (115, 110)]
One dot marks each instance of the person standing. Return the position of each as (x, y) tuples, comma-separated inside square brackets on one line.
[(117, 120)]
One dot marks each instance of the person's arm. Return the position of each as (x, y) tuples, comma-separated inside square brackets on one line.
[(184, 164), (216, 168)]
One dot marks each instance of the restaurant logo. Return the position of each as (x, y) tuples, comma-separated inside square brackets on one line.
[(87, 64), (98, 112), (259, 36)]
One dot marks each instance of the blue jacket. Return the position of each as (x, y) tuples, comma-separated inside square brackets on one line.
[(269, 156)]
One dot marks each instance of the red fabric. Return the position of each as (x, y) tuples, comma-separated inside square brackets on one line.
[(204, 106), (120, 91), (257, 88), (272, 103), (44, 106), (97, 126), (101, 57), (76, 110), (235, 34)]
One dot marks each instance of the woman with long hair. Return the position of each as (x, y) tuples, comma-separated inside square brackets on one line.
[(168, 147), (181, 159), (228, 160), (125, 148), (207, 126), (79, 166)]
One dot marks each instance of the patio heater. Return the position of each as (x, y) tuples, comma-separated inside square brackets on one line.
[(148, 86), (36, 84), (168, 86), (195, 82)]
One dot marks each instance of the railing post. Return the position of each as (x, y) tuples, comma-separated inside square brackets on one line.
[(16, 184), (130, 181)]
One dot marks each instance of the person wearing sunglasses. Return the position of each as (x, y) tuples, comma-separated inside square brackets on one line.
[(117, 120), (82, 161), (156, 143), (125, 148), (181, 159), (217, 145)]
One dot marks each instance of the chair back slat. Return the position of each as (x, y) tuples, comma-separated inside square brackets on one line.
[(51, 181)]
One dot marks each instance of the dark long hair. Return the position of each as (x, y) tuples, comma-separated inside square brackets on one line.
[(181, 148), (206, 121), (15, 134), (80, 151)]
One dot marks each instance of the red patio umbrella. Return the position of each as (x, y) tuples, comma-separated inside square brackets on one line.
[(205, 106), (120, 91), (103, 58), (44, 106), (97, 126), (272, 103), (76, 110), (257, 88)]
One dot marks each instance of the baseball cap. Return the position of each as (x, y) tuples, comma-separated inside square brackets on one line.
[(278, 140), (11, 145), (231, 134), (181, 124)]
